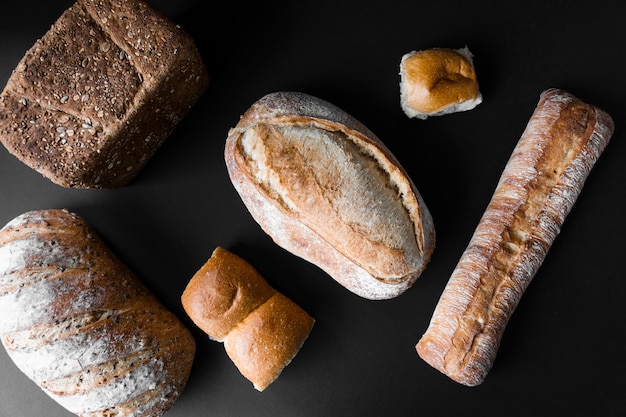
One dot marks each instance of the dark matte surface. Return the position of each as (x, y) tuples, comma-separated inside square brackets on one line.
[(562, 352)]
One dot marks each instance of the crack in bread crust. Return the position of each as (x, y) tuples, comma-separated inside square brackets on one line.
[(81, 325), (325, 181), (536, 191), (289, 109), (574, 125)]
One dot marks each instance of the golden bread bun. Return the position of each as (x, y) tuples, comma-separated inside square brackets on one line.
[(438, 81), (261, 329)]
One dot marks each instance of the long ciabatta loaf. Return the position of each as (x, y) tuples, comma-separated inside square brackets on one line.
[(262, 330), (537, 189), (79, 324), (325, 188), (94, 98)]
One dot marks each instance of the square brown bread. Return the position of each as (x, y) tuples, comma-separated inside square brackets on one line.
[(94, 98)]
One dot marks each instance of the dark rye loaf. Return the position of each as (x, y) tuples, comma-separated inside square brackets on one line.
[(95, 97)]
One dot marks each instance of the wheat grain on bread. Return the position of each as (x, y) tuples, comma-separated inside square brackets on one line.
[(94, 98)]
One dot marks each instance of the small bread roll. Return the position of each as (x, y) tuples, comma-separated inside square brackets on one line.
[(262, 330), (438, 81)]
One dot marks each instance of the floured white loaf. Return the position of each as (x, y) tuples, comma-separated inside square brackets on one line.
[(325, 188), (79, 324), (94, 98), (539, 185)]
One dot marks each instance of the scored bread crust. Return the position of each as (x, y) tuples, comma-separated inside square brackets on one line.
[(538, 187), (322, 210), (80, 325), (94, 98)]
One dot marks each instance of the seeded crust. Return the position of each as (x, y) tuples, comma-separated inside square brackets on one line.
[(80, 325), (262, 330), (325, 188), (95, 97), (538, 187)]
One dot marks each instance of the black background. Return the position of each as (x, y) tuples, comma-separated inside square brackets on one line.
[(563, 350)]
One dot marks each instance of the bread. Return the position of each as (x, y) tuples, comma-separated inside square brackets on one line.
[(82, 326), (438, 81), (537, 189), (262, 330), (325, 188), (94, 98)]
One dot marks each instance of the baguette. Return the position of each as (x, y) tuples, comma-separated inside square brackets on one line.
[(94, 98), (262, 330), (325, 188), (537, 189), (80, 325)]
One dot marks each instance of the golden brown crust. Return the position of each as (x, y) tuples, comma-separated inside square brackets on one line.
[(438, 81), (536, 191), (79, 324), (268, 339), (262, 330), (133, 75), (224, 292), (327, 189)]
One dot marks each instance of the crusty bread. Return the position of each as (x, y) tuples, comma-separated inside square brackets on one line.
[(325, 188), (95, 97), (438, 81), (537, 189), (262, 330), (79, 324)]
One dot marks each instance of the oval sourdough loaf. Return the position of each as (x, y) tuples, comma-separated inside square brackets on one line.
[(94, 98), (79, 324), (324, 187)]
